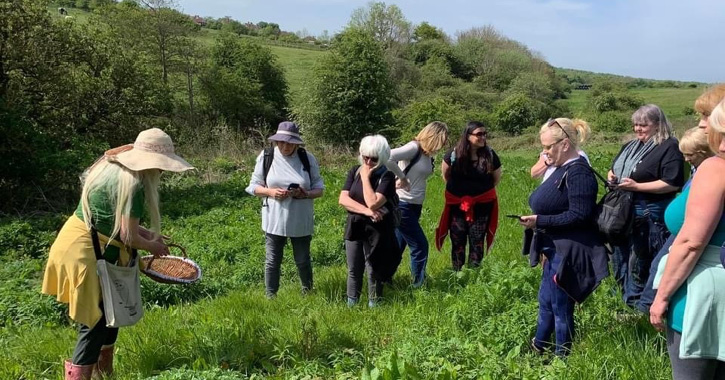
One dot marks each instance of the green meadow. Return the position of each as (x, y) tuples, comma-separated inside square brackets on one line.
[(474, 324)]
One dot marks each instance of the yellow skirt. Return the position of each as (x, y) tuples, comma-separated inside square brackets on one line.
[(71, 275)]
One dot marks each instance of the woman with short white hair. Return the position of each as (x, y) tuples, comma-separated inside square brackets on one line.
[(370, 242)]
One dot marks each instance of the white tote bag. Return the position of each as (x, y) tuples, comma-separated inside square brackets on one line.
[(120, 289)]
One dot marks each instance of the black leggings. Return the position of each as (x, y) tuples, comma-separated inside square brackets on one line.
[(90, 341)]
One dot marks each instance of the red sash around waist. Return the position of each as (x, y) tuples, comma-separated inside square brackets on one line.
[(467, 204)]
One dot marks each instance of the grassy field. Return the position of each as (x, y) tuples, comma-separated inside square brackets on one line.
[(474, 324), (673, 101), (297, 63)]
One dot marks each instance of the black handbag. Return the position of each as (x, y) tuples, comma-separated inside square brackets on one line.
[(614, 215)]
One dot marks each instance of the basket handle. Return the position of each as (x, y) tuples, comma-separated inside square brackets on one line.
[(183, 252)]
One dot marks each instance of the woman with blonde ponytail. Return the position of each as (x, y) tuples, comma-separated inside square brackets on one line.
[(117, 190), (563, 236), (580, 132)]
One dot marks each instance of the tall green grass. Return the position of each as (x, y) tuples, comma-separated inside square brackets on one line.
[(473, 324)]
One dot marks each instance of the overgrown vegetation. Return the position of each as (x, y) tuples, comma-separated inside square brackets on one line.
[(475, 324), (72, 87)]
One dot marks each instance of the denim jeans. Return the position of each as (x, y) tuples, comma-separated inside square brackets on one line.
[(620, 260), (648, 236), (411, 234), (556, 310), (275, 250), (648, 294)]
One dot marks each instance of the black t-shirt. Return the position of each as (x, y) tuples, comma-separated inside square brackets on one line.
[(475, 182), (386, 186), (665, 162)]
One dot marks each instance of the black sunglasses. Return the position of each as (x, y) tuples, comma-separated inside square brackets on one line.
[(552, 122), (479, 134), (372, 159)]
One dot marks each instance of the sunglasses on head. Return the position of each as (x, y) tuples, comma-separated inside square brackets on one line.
[(479, 134), (369, 158), (552, 122)]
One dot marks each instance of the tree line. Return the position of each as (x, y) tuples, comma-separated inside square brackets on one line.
[(70, 89)]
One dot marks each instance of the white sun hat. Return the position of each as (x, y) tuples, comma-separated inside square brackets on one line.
[(153, 149)]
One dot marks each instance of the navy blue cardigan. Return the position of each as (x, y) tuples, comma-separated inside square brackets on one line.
[(565, 205)]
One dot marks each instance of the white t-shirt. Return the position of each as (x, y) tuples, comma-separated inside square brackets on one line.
[(287, 217), (551, 169), (418, 174)]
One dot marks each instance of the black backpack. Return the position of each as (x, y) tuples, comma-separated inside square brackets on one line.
[(269, 157), (614, 214)]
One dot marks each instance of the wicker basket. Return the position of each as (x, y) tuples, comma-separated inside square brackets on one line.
[(171, 269)]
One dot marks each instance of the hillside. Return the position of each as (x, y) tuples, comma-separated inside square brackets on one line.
[(297, 61)]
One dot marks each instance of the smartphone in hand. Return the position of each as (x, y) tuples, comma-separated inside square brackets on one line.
[(293, 186), (512, 216)]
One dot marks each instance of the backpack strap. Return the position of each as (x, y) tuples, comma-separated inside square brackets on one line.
[(415, 159), (305, 159), (382, 173), (269, 157), (267, 163)]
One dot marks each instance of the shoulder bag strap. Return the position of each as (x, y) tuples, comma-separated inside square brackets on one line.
[(414, 160)]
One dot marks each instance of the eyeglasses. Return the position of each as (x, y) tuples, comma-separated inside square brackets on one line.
[(552, 122), (548, 147), (479, 134), (369, 158)]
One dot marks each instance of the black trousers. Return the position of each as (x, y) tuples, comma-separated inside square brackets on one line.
[(90, 341)]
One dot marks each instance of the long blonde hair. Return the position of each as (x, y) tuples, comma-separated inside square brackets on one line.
[(122, 184)]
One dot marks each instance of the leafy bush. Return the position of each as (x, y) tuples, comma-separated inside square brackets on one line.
[(350, 94), (416, 115), (612, 121), (245, 84), (517, 112)]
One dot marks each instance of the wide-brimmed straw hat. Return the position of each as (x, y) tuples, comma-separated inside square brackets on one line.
[(287, 131), (153, 149)]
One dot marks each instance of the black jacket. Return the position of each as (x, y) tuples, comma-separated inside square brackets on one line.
[(584, 262)]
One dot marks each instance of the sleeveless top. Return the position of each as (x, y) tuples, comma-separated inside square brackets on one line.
[(674, 219)]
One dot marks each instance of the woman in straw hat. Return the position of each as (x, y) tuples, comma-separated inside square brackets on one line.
[(288, 179), (117, 189)]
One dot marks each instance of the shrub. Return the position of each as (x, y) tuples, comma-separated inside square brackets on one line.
[(416, 115), (517, 112), (612, 121), (245, 84), (350, 93)]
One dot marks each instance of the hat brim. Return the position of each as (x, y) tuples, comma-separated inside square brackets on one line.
[(285, 138), (138, 160)]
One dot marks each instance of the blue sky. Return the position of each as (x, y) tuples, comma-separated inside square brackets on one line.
[(666, 39)]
